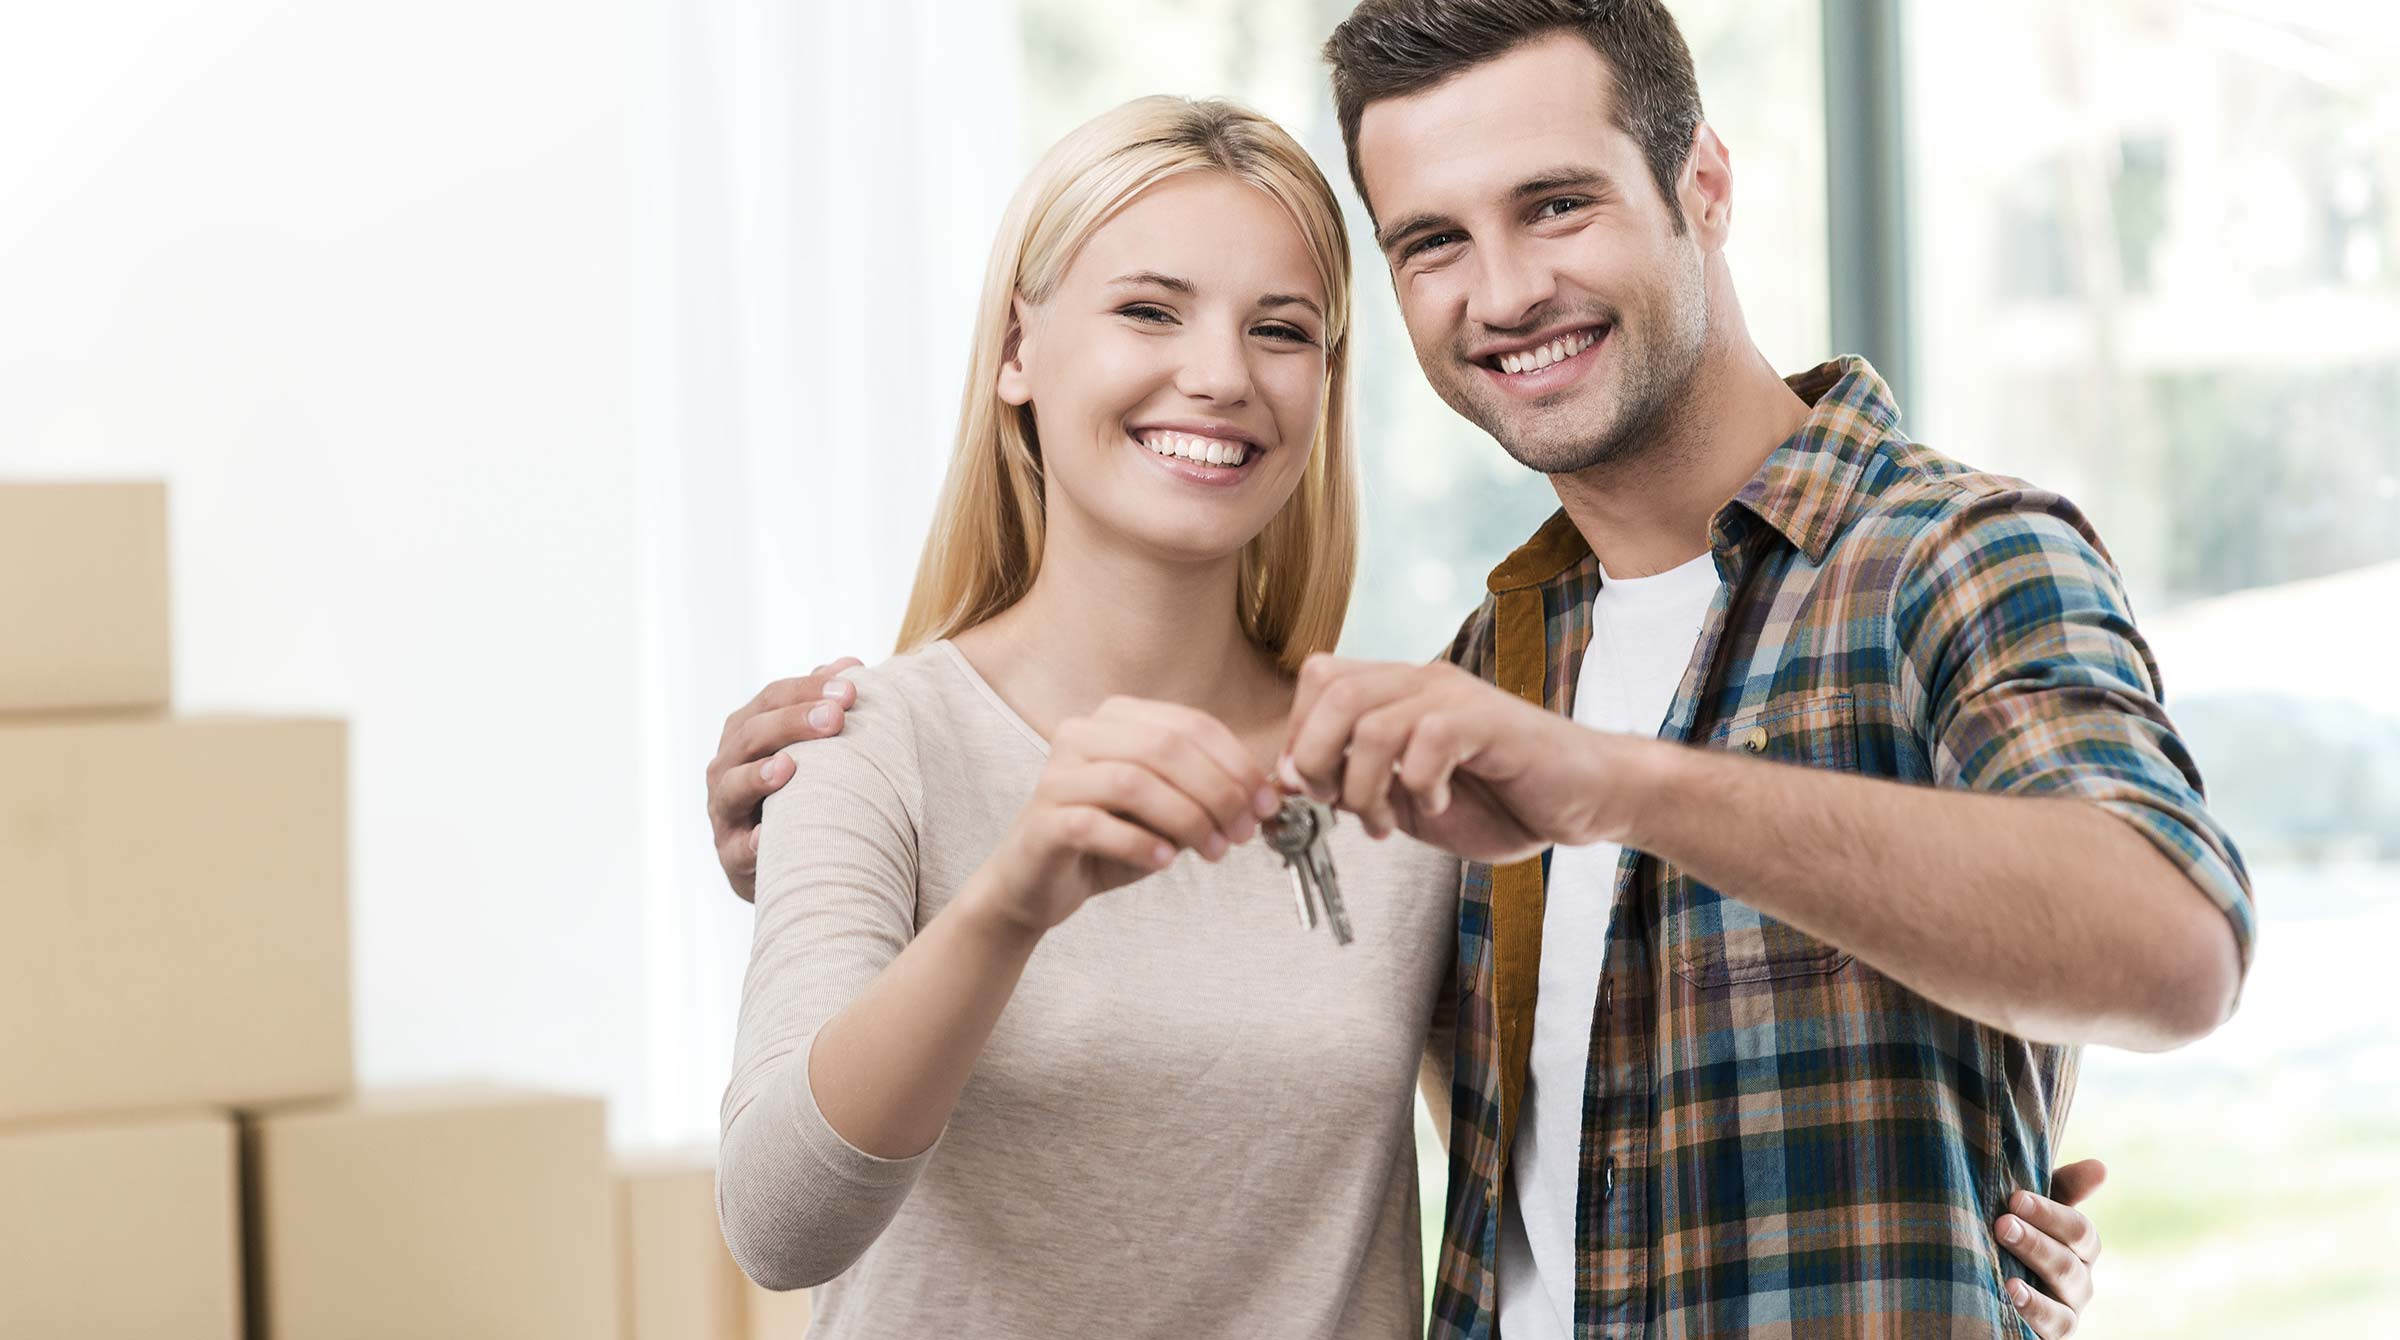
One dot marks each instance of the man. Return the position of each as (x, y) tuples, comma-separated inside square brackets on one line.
[(1808, 991)]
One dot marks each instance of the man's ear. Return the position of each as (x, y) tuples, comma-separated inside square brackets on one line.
[(1707, 201), (1016, 354)]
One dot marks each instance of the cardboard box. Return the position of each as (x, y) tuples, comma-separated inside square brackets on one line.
[(121, 1230), (778, 1316), (175, 912), (677, 1281), (83, 596), (470, 1213)]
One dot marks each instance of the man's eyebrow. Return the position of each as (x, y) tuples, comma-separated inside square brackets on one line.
[(1410, 227), (1153, 279), (1565, 179), (1569, 177)]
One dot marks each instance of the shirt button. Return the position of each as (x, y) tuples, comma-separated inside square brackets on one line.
[(1608, 1178), (1754, 740)]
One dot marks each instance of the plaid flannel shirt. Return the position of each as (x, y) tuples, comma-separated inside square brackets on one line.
[(1778, 1140)]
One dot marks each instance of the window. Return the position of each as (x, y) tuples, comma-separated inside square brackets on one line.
[(2158, 270)]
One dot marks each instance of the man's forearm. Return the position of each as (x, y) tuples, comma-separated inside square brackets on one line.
[(2048, 918)]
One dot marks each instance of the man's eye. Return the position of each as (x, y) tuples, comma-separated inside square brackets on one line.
[(1565, 204), (1428, 243)]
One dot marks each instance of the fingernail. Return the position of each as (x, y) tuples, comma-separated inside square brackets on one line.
[(1290, 774), (841, 690), (822, 716), (2024, 1202), (2018, 1294), (1162, 856), (1245, 828), (776, 769), (1266, 802), (1215, 848), (2011, 1228)]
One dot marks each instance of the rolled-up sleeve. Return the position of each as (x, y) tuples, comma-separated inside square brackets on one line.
[(2034, 681)]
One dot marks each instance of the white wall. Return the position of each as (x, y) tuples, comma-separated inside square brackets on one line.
[(357, 278), (534, 381)]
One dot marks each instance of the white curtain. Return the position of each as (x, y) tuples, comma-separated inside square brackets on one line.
[(819, 186)]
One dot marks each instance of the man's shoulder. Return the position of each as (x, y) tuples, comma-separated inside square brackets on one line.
[(1916, 501)]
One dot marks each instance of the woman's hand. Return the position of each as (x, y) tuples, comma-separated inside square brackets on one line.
[(1126, 789)]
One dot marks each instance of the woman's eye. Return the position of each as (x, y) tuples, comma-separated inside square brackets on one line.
[(1142, 311), (1290, 334)]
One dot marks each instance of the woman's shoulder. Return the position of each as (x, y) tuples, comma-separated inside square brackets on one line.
[(903, 702)]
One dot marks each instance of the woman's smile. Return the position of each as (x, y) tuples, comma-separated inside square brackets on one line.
[(1205, 454)]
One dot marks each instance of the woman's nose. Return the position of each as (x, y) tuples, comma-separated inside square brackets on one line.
[(1215, 369)]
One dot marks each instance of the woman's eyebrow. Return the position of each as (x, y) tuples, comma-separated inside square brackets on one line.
[(1274, 300), (1153, 279)]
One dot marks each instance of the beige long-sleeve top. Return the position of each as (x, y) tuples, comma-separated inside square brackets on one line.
[(1194, 1117)]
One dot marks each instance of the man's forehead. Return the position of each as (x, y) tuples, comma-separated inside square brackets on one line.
[(1547, 101)]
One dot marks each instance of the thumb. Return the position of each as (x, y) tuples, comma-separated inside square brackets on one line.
[(2074, 1183)]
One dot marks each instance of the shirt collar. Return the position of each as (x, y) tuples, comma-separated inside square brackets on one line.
[(1803, 489)]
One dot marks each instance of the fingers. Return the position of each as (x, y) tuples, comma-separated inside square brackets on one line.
[(2050, 1319), (819, 683), (1377, 744), (733, 802), (775, 728), (1436, 749), (1096, 832), (1326, 714), (2063, 1223), (1185, 750), (2064, 1275), (2075, 1183), (1143, 797)]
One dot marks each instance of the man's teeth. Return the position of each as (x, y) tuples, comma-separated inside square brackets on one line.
[(1534, 360), (1205, 450)]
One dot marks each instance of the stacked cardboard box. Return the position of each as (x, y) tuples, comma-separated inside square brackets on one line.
[(182, 1151), (677, 1280)]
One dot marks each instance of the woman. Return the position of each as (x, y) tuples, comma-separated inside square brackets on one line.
[(982, 1086)]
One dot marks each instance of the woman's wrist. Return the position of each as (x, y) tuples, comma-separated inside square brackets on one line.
[(990, 911)]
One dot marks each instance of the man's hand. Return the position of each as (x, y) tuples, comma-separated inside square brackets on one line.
[(784, 712), (1452, 760), (2057, 1243)]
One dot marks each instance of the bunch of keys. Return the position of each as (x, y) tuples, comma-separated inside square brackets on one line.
[(1298, 833)]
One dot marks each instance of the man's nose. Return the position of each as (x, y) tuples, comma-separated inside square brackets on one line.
[(1510, 286)]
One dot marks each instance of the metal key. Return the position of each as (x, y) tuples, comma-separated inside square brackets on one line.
[(1298, 833)]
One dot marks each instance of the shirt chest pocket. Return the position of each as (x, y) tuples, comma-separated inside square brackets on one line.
[(1716, 941)]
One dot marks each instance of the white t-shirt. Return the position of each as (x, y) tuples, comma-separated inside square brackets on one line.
[(1644, 630)]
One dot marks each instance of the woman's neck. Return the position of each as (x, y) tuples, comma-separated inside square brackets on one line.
[(1101, 622)]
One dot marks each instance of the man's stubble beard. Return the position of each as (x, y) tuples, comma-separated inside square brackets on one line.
[(1656, 394)]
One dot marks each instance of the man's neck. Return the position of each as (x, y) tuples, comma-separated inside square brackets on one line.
[(1652, 512), (1102, 621)]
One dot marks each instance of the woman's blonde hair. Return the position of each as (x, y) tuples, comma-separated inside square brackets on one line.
[(986, 542)]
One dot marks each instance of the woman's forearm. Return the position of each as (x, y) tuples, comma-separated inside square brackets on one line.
[(888, 1069)]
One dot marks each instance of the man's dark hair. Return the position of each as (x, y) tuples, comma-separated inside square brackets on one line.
[(1392, 48)]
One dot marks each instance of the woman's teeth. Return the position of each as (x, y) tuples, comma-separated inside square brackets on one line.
[(1562, 348), (1204, 450)]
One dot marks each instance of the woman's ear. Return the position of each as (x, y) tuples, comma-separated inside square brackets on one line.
[(1016, 354)]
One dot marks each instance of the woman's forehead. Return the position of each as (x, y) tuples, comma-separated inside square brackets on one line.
[(1214, 233)]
